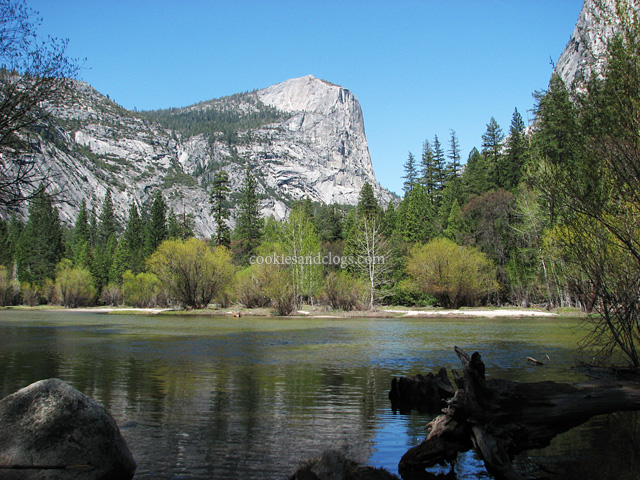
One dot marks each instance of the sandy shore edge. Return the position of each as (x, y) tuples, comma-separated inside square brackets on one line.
[(396, 312), (507, 312)]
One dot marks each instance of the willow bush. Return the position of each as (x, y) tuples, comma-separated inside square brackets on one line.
[(455, 275)]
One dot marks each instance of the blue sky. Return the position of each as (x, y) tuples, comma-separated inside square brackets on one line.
[(418, 68)]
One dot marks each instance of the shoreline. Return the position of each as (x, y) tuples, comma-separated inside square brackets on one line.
[(389, 312)]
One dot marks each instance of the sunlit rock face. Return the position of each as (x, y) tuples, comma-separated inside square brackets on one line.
[(323, 141), (314, 146), (584, 53)]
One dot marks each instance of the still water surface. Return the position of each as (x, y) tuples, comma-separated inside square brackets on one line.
[(226, 398)]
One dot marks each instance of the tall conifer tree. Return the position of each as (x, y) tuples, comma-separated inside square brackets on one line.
[(367, 203), (108, 225), (427, 171), (477, 174), (492, 150), (40, 243), (134, 240), (410, 174), (81, 236), (220, 208), (453, 167), (511, 163), (438, 165), (156, 229), (250, 223)]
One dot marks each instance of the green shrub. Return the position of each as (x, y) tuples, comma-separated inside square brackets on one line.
[(111, 294), (192, 271), (29, 294), (454, 275), (405, 293), (142, 290), (343, 292), (249, 287), (279, 288), (74, 286)]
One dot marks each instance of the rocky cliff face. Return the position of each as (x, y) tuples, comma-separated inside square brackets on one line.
[(585, 51), (302, 138), (326, 128)]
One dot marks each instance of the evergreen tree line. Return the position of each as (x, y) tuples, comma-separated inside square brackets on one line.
[(472, 206), (547, 215), (96, 251), (223, 117), (488, 211)]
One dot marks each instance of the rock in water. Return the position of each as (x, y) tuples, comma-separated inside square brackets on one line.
[(49, 430), (333, 465)]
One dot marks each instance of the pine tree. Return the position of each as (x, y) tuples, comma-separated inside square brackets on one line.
[(156, 229), (556, 145), (179, 227), (121, 261), (40, 245), (367, 203), (557, 127), (438, 166), (492, 152), (187, 225), (477, 175), (173, 226), (220, 208), (389, 220), (453, 167), (454, 228), (93, 227), (349, 223), (134, 238), (512, 162), (427, 170), (492, 141), (108, 224), (250, 223), (415, 216), (329, 222), (453, 192), (81, 235), (410, 174), (85, 256), (102, 262), (272, 231), (306, 205)]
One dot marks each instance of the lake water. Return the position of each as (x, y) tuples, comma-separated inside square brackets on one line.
[(231, 398)]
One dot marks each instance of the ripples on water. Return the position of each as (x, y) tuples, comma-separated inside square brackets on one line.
[(204, 398)]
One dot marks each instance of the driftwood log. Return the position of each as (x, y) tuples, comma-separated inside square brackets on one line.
[(425, 393), (501, 418)]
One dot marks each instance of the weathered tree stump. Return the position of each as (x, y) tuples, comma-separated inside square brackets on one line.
[(425, 393), (501, 418)]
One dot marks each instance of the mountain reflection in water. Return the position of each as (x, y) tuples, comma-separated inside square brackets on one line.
[(226, 398)]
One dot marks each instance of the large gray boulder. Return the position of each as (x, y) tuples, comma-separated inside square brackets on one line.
[(49, 430)]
